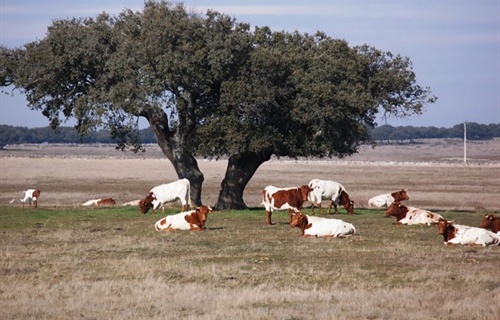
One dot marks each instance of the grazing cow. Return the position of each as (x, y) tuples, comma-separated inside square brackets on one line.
[(188, 220), (100, 202), (385, 200), (455, 234), (491, 222), (329, 190), (30, 197), (133, 203), (411, 215), (322, 227), (160, 195), (291, 199)]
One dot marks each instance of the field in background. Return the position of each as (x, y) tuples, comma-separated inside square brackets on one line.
[(63, 261)]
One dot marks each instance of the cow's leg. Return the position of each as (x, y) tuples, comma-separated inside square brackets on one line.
[(268, 217), (330, 207), (183, 207), (312, 208), (290, 216), (320, 209)]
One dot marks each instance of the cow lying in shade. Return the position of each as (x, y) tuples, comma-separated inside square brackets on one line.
[(455, 234), (291, 199), (385, 200), (329, 190), (411, 215), (491, 222), (30, 197), (100, 202), (189, 220), (164, 193), (322, 227)]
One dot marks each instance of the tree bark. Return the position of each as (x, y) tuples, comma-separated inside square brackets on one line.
[(184, 163), (240, 169)]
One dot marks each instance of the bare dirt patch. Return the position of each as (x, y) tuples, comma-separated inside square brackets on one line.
[(433, 171)]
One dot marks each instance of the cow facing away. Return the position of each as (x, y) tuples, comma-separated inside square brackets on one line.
[(100, 202), (385, 200), (491, 222), (455, 234), (322, 227), (164, 193), (329, 190), (291, 199), (30, 197), (188, 220), (411, 215)]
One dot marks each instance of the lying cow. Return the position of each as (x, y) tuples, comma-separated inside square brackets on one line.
[(189, 220), (385, 200), (291, 199), (491, 222), (322, 227), (411, 215), (100, 202), (455, 234), (30, 197), (329, 190), (133, 203), (164, 193)]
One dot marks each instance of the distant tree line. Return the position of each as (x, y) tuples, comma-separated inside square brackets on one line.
[(382, 134)]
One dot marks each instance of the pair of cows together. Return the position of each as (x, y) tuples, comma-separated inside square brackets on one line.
[(453, 234)]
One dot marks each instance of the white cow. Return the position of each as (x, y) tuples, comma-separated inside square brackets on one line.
[(30, 197), (329, 190), (456, 234), (322, 227), (385, 200), (411, 215), (164, 193)]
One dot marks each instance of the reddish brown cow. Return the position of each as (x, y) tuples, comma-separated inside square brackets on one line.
[(291, 199), (30, 197), (100, 202), (491, 222)]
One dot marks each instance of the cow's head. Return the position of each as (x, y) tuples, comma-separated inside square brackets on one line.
[(444, 225), (487, 221), (395, 209), (298, 220), (304, 191), (202, 212), (346, 202), (147, 203), (400, 195)]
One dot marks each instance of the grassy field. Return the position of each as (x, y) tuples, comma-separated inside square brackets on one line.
[(110, 263)]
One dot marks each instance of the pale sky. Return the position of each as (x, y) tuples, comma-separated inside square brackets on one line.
[(454, 44)]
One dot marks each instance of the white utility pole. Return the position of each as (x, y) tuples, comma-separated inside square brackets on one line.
[(465, 142)]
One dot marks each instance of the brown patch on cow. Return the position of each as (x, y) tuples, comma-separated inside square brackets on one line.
[(446, 229), (300, 221), (396, 209), (346, 202), (490, 222), (294, 197), (198, 218), (106, 202), (400, 195), (147, 203)]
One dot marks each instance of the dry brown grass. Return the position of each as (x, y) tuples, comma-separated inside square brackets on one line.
[(65, 262)]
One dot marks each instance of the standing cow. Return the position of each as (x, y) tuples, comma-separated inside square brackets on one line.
[(329, 190), (164, 193), (291, 199), (30, 197)]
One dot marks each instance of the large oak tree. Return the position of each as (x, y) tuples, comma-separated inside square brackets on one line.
[(210, 87)]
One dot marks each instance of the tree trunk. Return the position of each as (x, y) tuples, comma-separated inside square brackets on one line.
[(185, 165), (240, 169)]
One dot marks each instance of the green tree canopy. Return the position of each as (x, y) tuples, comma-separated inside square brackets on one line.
[(211, 87)]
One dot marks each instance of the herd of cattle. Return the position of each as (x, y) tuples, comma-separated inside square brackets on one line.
[(292, 200)]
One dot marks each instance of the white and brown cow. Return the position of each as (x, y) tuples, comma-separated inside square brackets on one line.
[(133, 203), (411, 215), (455, 234), (164, 193), (329, 190), (322, 227), (100, 202), (291, 199), (188, 220), (385, 200), (30, 197), (491, 222)]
